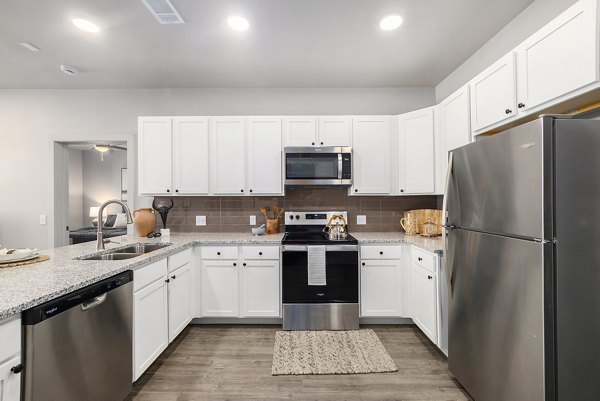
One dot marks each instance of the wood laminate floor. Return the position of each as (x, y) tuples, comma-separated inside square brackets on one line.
[(209, 362)]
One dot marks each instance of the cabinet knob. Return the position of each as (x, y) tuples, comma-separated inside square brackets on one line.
[(168, 190), (313, 143), (429, 277), (17, 368), (363, 263), (218, 253), (243, 264), (321, 143), (356, 190), (235, 264), (521, 105), (401, 190), (173, 276), (508, 111), (381, 252), (241, 190), (176, 190), (167, 281), (260, 253), (419, 259), (250, 190)]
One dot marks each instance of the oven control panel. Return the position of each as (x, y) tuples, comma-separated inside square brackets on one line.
[(311, 218)]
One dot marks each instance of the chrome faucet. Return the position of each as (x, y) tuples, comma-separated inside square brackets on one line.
[(100, 235)]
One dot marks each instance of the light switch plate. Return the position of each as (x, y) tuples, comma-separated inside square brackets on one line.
[(361, 219), (43, 219), (200, 220), (252, 220)]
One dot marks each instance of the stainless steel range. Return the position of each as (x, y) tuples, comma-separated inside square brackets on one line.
[(319, 274)]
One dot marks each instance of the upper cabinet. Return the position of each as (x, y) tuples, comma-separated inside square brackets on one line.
[(228, 155), (190, 155), (416, 152), (155, 155), (318, 131), (559, 58), (493, 94), (264, 156), (371, 155), (455, 119)]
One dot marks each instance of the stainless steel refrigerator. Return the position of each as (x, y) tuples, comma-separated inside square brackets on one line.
[(523, 262)]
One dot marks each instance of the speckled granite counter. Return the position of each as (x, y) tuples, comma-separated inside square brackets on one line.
[(24, 287), (27, 286), (431, 244)]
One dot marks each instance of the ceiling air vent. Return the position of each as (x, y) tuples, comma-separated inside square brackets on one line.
[(164, 11)]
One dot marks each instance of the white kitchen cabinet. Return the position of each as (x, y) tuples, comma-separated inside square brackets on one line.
[(416, 161), (264, 155), (260, 288), (455, 119), (10, 359), (190, 155), (371, 145), (10, 382), (155, 155), (151, 325), (228, 155), (424, 301), (379, 288), (335, 131), (494, 94), (300, 131), (559, 58), (220, 288), (180, 300)]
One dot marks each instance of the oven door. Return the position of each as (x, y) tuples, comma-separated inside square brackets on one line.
[(315, 166), (341, 276)]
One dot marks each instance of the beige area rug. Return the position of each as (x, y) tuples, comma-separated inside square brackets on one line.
[(330, 353)]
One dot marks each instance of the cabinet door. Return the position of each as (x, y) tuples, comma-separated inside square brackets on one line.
[(10, 383), (455, 119), (493, 94), (180, 300), (371, 155), (154, 155), (416, 152), (228, 155), (265, 151), (380, 288), (424, 301), (559, 58), (190, 155), (150, 325), (220, 288), (335, 131), (260, 288), (300, 131)]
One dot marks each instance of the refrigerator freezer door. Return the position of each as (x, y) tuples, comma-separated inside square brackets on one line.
[(578, 259), (496, 326), (502, 184)]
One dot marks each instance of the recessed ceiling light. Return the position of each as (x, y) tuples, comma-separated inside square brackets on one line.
[(238, 23), (85, 25), (391, 22), (29, 46)]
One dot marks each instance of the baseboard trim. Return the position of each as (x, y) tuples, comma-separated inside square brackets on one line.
[(279, 321)]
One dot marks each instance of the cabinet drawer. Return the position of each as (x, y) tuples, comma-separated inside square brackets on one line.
[(149, 274), (10, 338), (180, 259), (219, 252), (260, 252), (380, 252), (423, 258)]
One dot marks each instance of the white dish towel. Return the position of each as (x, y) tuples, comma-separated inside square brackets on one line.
[(317, 274)]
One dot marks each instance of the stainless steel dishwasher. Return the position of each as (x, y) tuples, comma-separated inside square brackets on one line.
[(79, 346)]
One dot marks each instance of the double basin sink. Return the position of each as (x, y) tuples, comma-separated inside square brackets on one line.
[(129, 252)]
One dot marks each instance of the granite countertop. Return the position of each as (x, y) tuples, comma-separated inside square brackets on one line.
[(24, 287)]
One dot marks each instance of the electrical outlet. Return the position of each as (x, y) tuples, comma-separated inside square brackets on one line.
[(200, 220), (361, 219), (43, 219), (252, 220)]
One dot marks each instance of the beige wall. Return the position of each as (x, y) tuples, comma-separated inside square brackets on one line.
[(30, 120)]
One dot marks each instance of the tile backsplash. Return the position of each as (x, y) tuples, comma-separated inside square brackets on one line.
[(232, 213)]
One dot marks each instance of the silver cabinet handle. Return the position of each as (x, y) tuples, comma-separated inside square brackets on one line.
[(92, 303)]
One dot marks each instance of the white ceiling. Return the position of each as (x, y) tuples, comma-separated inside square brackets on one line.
[(291, 43)]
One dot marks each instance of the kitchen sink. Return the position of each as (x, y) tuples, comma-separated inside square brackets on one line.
[(140, 248), (112, 256)]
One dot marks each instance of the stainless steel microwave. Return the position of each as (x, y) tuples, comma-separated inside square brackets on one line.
[(322, 165)]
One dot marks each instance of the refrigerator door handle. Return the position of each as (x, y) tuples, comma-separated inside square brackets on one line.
[(447, 227)]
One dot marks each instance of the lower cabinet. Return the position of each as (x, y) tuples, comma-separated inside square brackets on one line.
[(10, 359), (162, 307), (245, 285), (425, 308), (380, 281)]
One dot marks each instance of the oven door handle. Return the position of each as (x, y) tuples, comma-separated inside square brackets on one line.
[(328, 248)]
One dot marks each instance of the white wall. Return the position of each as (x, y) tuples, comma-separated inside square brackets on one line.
[(76, 210), (538, 14), (102, 180), (30, 120)]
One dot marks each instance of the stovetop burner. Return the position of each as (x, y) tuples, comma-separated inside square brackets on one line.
[(308, 228)]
